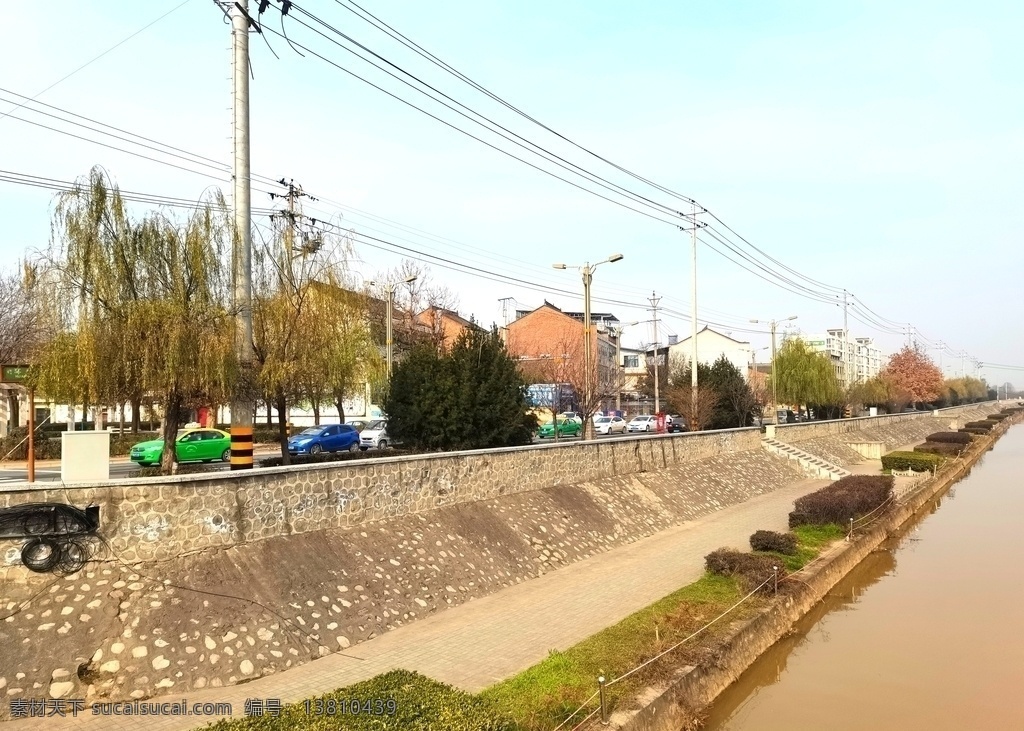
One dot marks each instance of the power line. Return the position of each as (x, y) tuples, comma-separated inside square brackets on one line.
[(97, 58)]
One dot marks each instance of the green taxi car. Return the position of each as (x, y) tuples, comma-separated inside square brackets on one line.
[(566, 428), (191, 445)]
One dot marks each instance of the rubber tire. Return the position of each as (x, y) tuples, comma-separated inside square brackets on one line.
[(382, 444), (226, 455), (315, 450), (35, 558), (353, 447)]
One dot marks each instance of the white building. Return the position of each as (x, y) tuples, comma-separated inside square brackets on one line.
[(864, 359), (711, 345)]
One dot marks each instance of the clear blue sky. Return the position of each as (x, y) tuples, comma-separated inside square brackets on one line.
[(876, 146)]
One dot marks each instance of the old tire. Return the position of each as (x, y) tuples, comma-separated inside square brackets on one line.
[(40, 555)]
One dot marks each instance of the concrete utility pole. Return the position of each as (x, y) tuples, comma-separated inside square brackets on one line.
[(775, 389), (847, 369), (242, 406), (693, 308), (504, 308), (654, 300)]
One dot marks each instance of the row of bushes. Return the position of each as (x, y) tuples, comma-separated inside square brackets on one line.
[(945, 449), (985, 424), (846, 498), (750, 570)]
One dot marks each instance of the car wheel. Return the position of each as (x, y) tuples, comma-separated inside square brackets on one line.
[(353, 447), (226, 455), (316, 449), (382, 444)]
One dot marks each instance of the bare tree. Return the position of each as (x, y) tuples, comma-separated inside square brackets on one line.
[(695, 405)]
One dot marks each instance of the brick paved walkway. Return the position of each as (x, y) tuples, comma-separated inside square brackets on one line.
[(486, 640)]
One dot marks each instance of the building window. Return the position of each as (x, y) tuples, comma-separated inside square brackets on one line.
[(631, 361)]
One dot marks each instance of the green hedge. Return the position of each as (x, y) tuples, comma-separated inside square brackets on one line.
[(917, 461), (415, 702), (47, 447), (261, 433), (996, 417)]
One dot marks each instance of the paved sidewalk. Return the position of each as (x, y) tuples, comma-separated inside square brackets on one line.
[(486, 640)]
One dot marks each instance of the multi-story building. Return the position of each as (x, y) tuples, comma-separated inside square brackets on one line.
[(711, 345), (853, 359), (549, 345)]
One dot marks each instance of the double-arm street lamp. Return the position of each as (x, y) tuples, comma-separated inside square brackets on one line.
[(774, 324), (587, 270), (389, 291)]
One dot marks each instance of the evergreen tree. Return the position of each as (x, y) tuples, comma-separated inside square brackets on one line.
[(471, 397)]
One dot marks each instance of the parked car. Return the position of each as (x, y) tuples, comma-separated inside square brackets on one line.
[(358, 424), (645, 422), (675, 423), (191, 445), (610, 425), (325, 438), (572, 415), (375, 435), (566, 428)]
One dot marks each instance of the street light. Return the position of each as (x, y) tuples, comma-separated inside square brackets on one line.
[(587, 270), (775, 390), (389, 290)]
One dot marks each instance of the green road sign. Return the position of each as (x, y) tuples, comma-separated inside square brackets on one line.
[(13, 373)]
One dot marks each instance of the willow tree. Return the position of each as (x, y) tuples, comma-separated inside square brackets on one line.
[(310, 330), (804, 376), (147, 304)]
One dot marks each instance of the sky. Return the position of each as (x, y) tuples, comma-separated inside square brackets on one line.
[(875, 147)]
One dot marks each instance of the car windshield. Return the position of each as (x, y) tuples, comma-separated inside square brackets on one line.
[(603, 420), (313, 431), (379, 424)]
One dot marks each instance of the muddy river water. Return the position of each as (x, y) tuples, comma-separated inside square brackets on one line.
[(925, 635)]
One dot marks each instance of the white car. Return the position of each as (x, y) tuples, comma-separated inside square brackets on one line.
[(645, 422), (610, 425), (374, 435)]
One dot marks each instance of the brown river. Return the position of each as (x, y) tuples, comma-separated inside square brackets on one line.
[(925, 635)]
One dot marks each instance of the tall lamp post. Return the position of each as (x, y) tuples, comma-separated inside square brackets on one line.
[(587, 270), (775, 389), (389, 291)]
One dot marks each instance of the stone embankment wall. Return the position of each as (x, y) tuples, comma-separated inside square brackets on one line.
[(831, 440), (217, 617), (153, 520)]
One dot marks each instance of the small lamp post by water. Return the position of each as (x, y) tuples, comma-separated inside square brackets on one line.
[(775, 569), (604, 708)]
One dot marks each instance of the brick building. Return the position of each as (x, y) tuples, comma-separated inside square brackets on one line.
[(549, 345), (444, 325)]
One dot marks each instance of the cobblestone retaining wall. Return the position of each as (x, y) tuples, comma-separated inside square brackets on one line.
[(146, 520), (217, 617)]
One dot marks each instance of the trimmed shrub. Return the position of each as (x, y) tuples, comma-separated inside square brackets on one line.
[(769, 540), (952, 437), (849, 497), (943, 448), (986, 425), (750, 569), (975, 432), (339, 456), (13, 448), (917, 461)]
